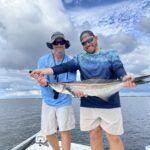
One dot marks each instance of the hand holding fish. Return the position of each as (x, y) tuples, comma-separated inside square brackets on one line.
[(79, 94), (129, 81), (41, 80)]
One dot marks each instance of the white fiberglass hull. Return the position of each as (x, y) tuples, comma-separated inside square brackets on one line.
[(39, 142)]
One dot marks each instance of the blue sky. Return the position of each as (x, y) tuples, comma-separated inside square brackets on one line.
[(25, 27)]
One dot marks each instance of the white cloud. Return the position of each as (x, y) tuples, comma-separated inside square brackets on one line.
[(138, 61), (144, 24), (17, 83), (120, 41), (16, 80), (6, 94), (26, 26)]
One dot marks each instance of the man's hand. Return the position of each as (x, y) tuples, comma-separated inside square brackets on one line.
[(41, 80), (129, 81), (79, 94)]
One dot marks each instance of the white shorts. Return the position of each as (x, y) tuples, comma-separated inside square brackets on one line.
[(53, 118), (110, 120)]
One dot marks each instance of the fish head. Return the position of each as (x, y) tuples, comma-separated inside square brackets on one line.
[(57, 87)]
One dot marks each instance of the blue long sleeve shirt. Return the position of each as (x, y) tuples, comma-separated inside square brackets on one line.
[(47, 92), (105, 64)]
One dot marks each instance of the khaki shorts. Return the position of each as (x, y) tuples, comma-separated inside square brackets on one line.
[(110, 120), (53, 118)]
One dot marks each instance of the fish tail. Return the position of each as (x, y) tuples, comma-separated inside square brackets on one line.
[(142, 79)]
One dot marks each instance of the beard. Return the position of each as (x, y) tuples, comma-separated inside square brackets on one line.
[(93, 50)]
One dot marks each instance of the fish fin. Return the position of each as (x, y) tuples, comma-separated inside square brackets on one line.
[(103, 98), (70, 91)]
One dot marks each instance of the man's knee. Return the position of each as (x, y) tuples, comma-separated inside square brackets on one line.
[(114, 138), (95, 134)]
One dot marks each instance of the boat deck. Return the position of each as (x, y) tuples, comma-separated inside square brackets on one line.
[(39, 142)]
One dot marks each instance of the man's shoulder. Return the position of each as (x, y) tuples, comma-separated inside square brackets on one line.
[(81, 54), (68, 57), (43, 60), (109, 52), (44, 57)]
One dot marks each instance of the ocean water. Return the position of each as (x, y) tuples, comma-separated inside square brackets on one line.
[(20, 119)]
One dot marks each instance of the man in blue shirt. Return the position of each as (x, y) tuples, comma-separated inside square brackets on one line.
[(57, 111), (97, 115)]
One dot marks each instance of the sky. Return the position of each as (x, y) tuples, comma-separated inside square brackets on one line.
[(26, 25)]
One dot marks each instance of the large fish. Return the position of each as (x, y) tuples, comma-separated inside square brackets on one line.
[(95, 87)]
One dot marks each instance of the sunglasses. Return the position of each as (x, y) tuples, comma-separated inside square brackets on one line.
[(56, 94), (88, 41), (61, 42)]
